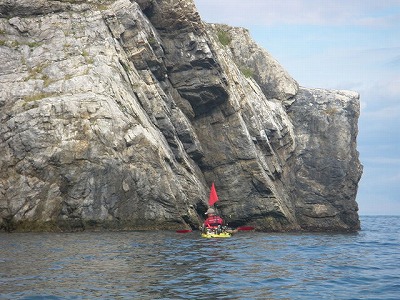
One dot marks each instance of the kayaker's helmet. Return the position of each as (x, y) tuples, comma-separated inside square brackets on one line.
[(210, 211)]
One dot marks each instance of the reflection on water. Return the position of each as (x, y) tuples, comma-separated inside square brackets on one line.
[(167, 265)]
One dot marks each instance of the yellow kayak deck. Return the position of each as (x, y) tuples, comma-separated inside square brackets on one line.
[(216, 235)]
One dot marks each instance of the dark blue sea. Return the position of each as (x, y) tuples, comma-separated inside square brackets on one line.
[(168, 265)]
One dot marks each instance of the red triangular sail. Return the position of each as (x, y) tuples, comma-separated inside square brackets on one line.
[(213, 196)]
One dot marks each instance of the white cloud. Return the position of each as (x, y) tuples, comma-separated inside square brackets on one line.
[(306, 12), (381, 96)]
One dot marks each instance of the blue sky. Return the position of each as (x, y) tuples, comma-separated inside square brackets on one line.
[(338, 44)]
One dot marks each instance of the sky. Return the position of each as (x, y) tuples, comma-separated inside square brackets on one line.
[(338, 44)]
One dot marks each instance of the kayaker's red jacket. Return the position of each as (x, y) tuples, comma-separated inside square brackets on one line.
[(213, 222)]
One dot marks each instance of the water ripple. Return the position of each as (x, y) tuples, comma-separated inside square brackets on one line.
[(166, 265)]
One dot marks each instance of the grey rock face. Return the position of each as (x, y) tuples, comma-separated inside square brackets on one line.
[(327, 168), (119, 114), (257, 63), (192, 68)]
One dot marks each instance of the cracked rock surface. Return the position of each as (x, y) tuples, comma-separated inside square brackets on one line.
[(120, 114)]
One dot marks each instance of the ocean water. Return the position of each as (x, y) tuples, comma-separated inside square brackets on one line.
[(168, 265)]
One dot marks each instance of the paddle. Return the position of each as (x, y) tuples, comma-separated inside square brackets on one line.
[(183, 231), (245, 228)]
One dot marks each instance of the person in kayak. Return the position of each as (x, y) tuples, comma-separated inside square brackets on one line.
[(213, 221)]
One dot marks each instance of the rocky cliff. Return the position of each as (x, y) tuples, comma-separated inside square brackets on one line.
[(120, 114)]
